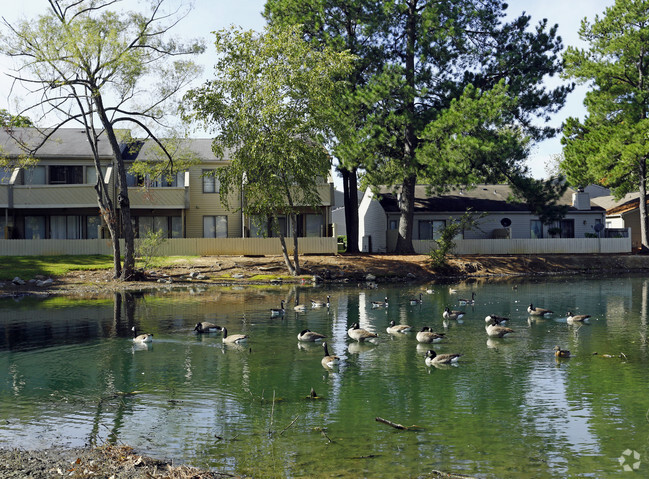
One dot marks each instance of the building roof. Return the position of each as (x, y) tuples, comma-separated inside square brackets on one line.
[(199, 147), (64, 143), (488, 198), (629, 202)]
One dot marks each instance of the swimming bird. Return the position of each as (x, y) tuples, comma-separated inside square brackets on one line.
[(496, 331), (398, 328), (310, 336), (574, 318), (277, 311), (538, 311), (329, 361), (432, 358), (141, 338), (359, 334), (448, 314), (235, 338), (426, 335), (380, 304), (320, 304), (452, 291), (206, 327), (495, 318), (299, 307), (415, 301), (561, 353), (467, 301)]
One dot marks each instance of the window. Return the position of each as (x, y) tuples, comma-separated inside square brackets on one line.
[(393, 225), (536, 229), (91, 174), (66, 227), (34, 227), (3, 227), (210, 183), (66, 175), (176, 227), (314, 226), (215, 226), (431, 229), (567, 228), (35, 175), (93, 223), (5, 176)]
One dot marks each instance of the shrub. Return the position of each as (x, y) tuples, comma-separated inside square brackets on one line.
[(148, 247)]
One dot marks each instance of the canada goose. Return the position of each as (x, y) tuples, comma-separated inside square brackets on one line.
[(380, 304), (141, 338), (277, 312), (320, 304), (206, 327), (496, 331), (561, 353), (494, 318), (467, 301), (308, 335), (448, 314), (359, 334), (235, 338), (415, 301), (574, 318), (299, 307), (432, 358), (328, 361), (428, 336), (398, 328), (452, 291), (538, 311)]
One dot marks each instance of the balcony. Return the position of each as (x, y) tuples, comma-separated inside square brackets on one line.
[(54, 196), (176, 197)]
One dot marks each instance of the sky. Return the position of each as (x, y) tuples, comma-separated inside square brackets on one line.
[(210, 15)]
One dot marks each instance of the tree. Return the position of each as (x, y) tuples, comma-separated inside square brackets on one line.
[(270, 106), (98, 68), (611, 146), (7, 120)]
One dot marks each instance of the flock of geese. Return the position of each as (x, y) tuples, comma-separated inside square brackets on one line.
[(494, 329)]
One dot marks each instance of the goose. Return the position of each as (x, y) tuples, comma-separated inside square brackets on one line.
[(299, 307), (496, 331), (328, 361), (561, 353), (141, 338), (206, 327), (235, 338), (320, 304), (380, 304), (310, 336), (359, 334), (452, 291), (494, 318), (574, 318), (448, 314), (428, 336), (432, 358), (538, 311), (398, 328), (467, 301), (415, 301), (277, 311)]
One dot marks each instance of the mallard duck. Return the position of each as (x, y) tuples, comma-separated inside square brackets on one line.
[(561, 353), (141, 338), (415, 301), (206, 327), (277, 311), (575, 318), (426, 335), (496, 331), (359, 334), (467, 301), (494, 318), (320, 304), (310, 336), (380, 304), (398, 328), (328, 361), (432, 358), (235, 338), (538, 311), (448, 314)]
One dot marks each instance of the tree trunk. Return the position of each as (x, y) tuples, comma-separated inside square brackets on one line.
[(644, 232), (282, 241), (407, 208), (350, 198), (296, 253)]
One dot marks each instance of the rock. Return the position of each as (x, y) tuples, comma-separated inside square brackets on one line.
[(194, 274), (317, 279), (238, 276), (201, 276), (40, 277), (31, 281), (46, 282), (17, 281), (411, 276), (370, 277)]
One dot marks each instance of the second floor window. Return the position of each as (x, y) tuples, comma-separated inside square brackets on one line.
[(66, 175), (210, 183)]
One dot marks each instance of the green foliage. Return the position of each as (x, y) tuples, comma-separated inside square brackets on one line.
[(446, 242), (148, 247), (8, 120), (541, 196)]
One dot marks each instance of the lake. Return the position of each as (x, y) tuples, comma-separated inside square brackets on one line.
[(72, 376)]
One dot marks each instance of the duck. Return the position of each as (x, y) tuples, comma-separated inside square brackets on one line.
[(467, 301), (359, 334), (320, 304), (538, 311), (448, 314), (495, 318), (310, 336), (415, 301), (141, 338), (495, 331), (398, 328), (329, 361), (561, 353), (426, 335), (432, 358), (299, 307), (575, 318), (206, 327), (233, 339), (380, 304), (277, 311)]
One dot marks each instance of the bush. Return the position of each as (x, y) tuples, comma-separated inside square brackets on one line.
[(446, 244), (148, 247)]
